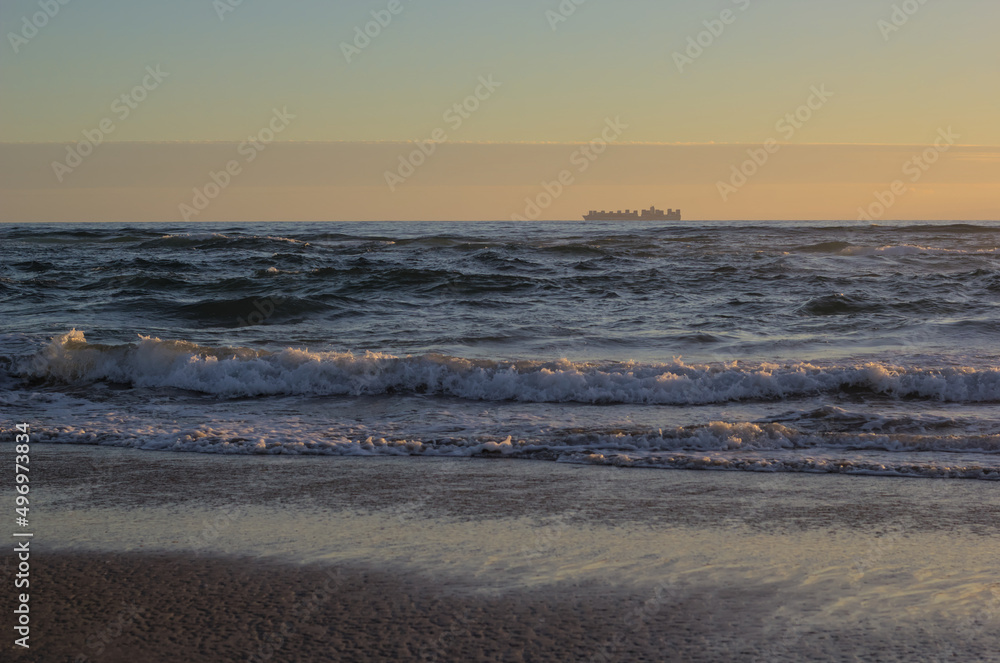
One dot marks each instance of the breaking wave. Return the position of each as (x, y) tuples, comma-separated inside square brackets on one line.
[(229, 372)]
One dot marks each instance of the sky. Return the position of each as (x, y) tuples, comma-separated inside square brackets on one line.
[(835, 99)]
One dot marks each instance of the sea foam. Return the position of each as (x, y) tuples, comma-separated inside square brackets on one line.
[(241, 372)]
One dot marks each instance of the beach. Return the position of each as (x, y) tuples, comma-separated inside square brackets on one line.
[(165, 556), (500, 332), (506, 442)]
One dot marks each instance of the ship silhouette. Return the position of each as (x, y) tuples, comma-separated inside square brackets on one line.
[(651, 214)]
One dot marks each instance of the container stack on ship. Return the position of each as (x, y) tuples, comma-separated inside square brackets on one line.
[(651, 214)]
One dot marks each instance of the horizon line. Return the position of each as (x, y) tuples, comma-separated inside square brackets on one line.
[(472, 142), (874, 224)]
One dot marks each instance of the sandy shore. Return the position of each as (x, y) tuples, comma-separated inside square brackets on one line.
[(167, 608), (188, 557)]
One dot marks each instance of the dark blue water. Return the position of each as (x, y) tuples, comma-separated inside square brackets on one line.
[(778, 346)]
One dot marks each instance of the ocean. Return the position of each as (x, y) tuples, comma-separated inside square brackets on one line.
[(766, 347)]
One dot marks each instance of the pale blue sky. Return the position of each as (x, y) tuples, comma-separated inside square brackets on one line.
[(608, 59)]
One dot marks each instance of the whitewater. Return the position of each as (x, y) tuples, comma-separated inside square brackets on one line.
[(790, 347)]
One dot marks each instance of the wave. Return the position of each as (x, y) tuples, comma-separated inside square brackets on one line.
[(204, 240), (855, 466), (230, 372), (842, 304), (951, 228), (236, 312), (839, 304), (891, 250), (715, 446), (824, 247), (913, 249)]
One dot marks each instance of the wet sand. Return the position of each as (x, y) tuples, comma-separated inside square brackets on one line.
[(168, 608), (125, 608), (187, 557)]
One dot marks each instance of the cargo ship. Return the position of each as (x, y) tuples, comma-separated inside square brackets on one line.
[(651, 214)]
